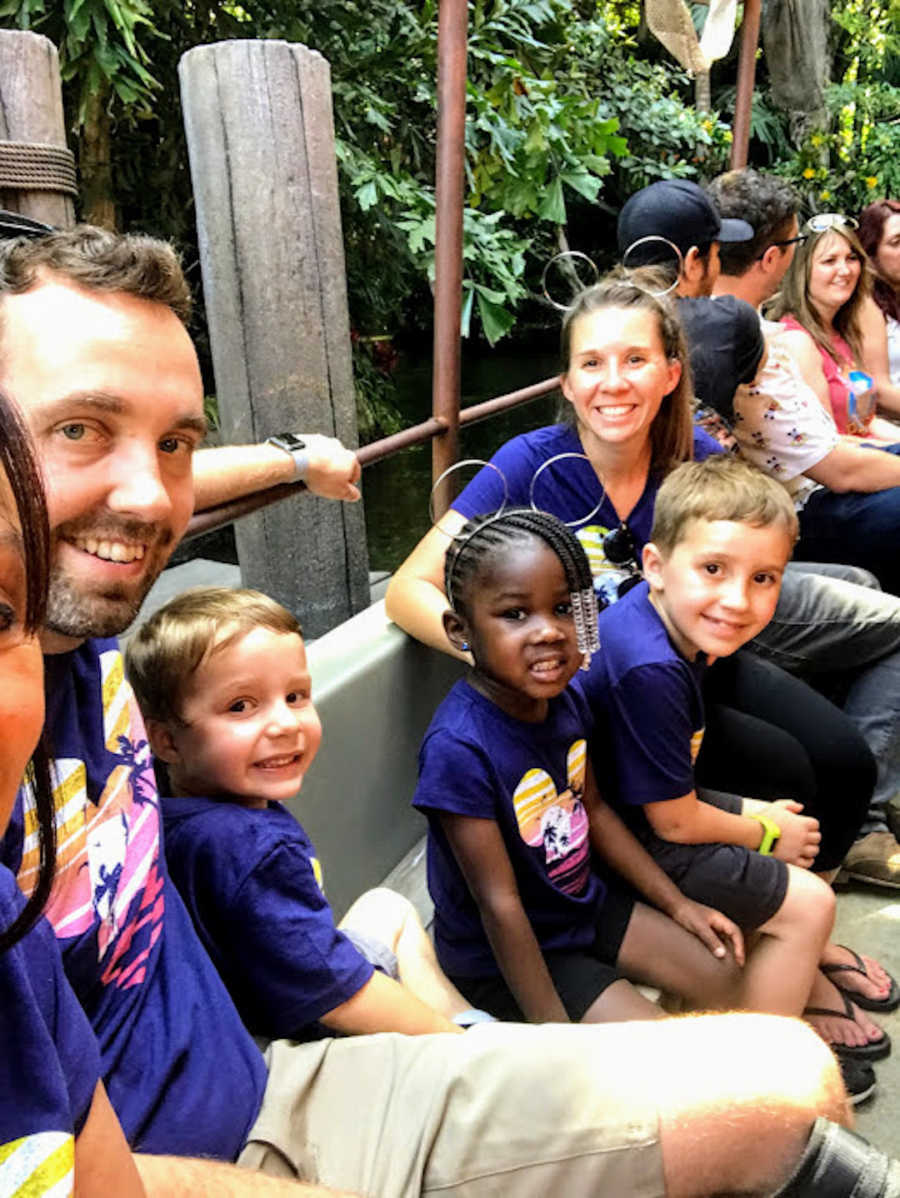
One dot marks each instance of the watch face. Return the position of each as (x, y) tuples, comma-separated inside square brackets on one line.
[(289, 441)]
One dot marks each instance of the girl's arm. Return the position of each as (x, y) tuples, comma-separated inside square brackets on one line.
[(615, 843), (481, 855), (384, 1005), (103, 1161), (415, 598)]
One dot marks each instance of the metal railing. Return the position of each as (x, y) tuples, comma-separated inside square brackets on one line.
[(376, 451)]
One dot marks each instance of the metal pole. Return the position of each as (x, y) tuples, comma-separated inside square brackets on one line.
[(746, 75), (453, 21)]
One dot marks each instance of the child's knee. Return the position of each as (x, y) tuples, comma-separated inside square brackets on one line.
[(809, 901), (382, 912)]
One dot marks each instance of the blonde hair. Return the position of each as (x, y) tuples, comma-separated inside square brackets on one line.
[(794, 299), (672, 432), (166, 651), (721, 487)]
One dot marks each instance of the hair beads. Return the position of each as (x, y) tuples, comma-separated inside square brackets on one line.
[(486, 535)]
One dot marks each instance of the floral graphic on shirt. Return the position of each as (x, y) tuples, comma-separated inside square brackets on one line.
[(39, 1165), (107, 875), (556, 822)]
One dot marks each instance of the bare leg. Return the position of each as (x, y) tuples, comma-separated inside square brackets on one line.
[(393, 919), (619, 1003), (659, 952), (738, 1096), (783, 966)]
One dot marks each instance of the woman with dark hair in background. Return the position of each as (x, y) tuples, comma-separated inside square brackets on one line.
[(879, 232)]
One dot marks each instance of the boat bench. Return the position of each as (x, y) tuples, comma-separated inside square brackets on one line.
[(376, 690)]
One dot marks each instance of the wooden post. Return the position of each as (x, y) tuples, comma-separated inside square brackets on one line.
[(261, 144), (31, 111)]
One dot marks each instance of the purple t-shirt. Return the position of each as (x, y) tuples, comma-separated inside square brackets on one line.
[(648, 704), (569, 489), (183, 1074), (49, 1063), (478, 761), (252, 884)]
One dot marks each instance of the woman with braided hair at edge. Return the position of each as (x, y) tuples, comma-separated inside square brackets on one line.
[(627, 386)]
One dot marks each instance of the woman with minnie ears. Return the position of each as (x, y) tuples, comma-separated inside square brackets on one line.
[(627, 382)]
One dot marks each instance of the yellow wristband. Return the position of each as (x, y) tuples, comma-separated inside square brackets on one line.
[(771, 832)]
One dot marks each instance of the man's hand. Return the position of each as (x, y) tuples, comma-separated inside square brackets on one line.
[(712, 927), (332, 469), (800, 837)]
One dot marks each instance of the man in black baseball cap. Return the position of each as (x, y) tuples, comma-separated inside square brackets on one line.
[(676, 212)]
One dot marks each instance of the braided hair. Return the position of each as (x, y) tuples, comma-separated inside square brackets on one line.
[(484, 536)]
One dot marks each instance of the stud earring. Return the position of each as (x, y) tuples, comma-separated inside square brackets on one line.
[(465, 646)]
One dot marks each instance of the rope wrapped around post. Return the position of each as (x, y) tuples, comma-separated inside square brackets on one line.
[(28, 166)]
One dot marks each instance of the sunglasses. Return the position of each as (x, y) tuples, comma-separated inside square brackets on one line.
[(798, 240), (13, 224), (619, 550), (821, 221)]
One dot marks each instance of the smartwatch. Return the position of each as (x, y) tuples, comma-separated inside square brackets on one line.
[(771, 833), (296, 447)]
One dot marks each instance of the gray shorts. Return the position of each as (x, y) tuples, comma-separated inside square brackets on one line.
[(375, 951), (503, 1111)]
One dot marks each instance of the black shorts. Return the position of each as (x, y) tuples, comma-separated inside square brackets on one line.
[(580, 976), (742, 884)]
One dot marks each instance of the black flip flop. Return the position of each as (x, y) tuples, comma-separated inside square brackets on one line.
[(874, 1050), (889, 1003)]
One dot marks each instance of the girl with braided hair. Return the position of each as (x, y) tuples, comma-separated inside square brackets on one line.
[(523, 918)]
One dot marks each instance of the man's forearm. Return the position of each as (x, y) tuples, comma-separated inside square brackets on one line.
[(181, 1177), (231, 471)]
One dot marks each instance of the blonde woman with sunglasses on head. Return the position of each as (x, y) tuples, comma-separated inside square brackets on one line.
[(838, 337)]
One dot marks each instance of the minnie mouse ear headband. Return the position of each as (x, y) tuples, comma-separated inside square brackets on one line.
[(561, 273), (678, 211)]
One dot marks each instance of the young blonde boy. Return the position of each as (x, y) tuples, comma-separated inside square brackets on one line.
[(222, 679), (722, 536)]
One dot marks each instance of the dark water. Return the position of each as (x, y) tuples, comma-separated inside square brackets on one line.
[(396, 491)]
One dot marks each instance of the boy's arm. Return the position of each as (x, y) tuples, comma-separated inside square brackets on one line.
[(383, 1005), (689, 820), (615, 843), (481, 854)]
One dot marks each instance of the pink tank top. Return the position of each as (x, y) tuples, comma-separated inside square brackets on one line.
[(839, 392)]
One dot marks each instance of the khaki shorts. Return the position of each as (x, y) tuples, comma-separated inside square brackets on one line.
[(504, 1110)]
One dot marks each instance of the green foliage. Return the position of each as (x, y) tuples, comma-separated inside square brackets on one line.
[(101, 47), (857, 157), (560, 112)]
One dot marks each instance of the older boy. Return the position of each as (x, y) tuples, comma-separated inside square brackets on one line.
[(722, 535), (222, 680)]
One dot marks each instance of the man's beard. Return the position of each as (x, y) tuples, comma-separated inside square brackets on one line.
[(76, 612)]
